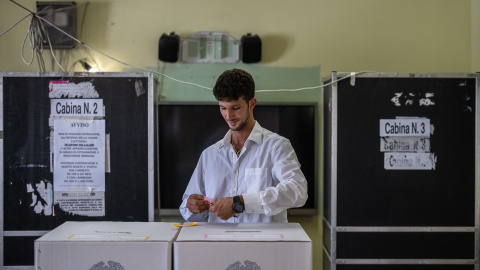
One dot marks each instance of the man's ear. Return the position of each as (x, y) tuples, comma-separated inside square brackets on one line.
[(252, 102)]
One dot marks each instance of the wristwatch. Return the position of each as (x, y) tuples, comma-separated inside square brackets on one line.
[(238, 206)]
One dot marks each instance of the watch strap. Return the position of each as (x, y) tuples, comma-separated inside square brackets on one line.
[(237, 203), (236, 199)]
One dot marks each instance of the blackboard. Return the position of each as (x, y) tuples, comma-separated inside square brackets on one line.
[(180, 145), (125, 112)]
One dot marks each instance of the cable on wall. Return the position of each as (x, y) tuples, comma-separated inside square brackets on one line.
[(36, 37)]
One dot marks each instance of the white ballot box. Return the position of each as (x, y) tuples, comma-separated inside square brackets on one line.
[(107, 245), (255, 246)]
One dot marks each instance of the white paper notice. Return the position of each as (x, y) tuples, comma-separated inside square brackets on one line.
[(409, 161), (81, 202), (79, 155), (405, 142), (76, 107)]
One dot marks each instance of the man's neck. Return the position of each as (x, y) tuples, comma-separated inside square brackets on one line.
[(239, 137)]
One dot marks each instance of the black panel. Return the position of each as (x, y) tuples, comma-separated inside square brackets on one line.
[(18, 250), (412, 245), (26, 111), (185, 130), (368, 194)]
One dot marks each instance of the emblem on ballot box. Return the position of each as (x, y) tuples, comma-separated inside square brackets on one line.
[(248, 266), (111, 266)]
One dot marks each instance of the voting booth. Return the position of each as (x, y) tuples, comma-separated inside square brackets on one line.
[(401, 175), (75, 147), (280, 246)]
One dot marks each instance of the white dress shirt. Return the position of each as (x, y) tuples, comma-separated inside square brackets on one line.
[(267, 173)]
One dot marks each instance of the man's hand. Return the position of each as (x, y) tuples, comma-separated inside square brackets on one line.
[(222, 208), (196, 204)]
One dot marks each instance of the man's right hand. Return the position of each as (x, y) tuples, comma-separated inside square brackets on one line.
[(196, 204)]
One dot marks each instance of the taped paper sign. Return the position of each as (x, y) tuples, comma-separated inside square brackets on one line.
[(78, 147), (66, 89), (79, 155), (404, 144), (405, 127), (409, 161), (82, 203), (79, 166), (76, 107), (413, 99), (42, 197)]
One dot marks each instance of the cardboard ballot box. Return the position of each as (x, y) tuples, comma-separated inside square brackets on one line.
[(107, 245), (256, 246)]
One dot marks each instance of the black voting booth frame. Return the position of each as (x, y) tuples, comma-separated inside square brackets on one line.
[(27, 206), (386, 206)]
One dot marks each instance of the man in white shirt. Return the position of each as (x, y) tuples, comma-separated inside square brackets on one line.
[(252, 174)]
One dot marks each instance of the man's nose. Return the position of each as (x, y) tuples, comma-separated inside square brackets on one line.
[(228, 114)]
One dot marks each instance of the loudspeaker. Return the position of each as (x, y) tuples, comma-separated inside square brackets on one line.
[(251, 48), (62, 15), (168, 47)]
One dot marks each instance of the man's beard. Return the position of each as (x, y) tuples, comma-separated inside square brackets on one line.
[(242, 124)]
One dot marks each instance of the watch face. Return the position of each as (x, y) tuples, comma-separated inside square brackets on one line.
[(238, 208)]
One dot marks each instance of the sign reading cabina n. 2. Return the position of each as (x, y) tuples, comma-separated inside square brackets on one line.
[(77, 107)]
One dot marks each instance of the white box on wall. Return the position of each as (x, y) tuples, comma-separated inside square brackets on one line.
[(256, 246), (107, 245)]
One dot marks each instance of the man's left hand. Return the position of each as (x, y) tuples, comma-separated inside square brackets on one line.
[(222, 208)]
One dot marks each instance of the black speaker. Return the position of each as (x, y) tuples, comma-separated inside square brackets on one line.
[(251, 48), (168, 46)]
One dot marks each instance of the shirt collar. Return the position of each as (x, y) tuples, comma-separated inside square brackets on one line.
[(255, 135)]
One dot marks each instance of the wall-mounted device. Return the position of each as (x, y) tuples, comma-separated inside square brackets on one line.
[(210, 47), (61, 15)]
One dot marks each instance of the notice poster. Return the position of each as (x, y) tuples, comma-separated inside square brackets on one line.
[(79, 154), (82, 202), (79, 165)]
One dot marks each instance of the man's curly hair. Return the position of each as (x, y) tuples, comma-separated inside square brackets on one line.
[(233, 84)]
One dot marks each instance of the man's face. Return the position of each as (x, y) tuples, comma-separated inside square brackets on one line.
[(236, 113)]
